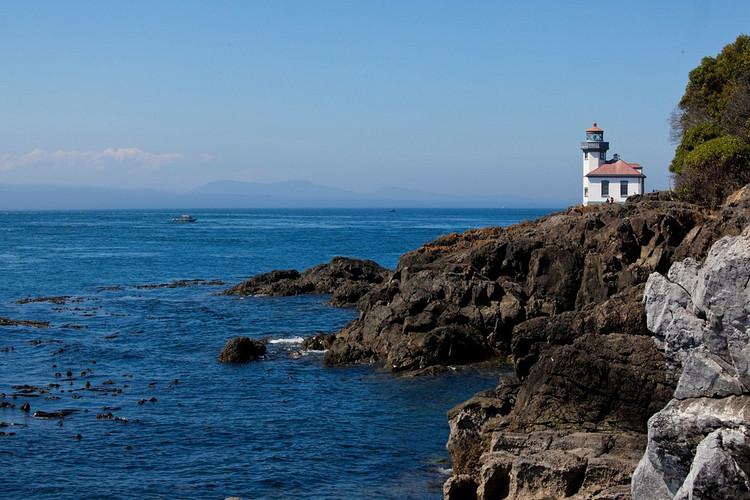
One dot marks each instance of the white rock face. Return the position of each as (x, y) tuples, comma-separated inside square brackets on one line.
[(699, 445)]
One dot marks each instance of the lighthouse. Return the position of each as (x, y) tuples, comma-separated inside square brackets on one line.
[(607, 181)]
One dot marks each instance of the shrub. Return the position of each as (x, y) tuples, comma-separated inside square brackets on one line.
[(714, 169), (694, 137)]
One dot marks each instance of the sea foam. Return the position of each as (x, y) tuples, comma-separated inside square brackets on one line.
[(291, 340)]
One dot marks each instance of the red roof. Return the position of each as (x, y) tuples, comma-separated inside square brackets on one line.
[(617, 168), (594, 128)]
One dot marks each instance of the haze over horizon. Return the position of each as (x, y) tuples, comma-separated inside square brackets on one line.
[(483, 101)]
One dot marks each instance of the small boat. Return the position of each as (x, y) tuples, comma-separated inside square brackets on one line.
[(183, 219)]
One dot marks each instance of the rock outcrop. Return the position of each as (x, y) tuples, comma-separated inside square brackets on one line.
[(346, 280), (561, 298), (241, 350), (699, 444), (573, 426), (509, 291)]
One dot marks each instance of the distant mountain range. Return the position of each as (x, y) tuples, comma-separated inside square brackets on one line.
[(235, 194)]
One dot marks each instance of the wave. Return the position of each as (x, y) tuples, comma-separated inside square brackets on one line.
[(292, 340)]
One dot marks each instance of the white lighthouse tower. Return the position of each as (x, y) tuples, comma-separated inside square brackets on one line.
[(594, 155)]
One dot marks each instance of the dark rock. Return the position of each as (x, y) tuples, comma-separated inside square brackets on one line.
[(345, 279), (467, 441), (604, 380), (562, 298), (482, 286), (319, 342), (526, 440), (241, 350), (460, 487)]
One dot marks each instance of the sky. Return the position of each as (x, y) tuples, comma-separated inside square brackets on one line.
[(457, 98)]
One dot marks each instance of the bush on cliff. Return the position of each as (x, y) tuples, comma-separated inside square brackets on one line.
[(694, 137), (714, 169), (712, 126)]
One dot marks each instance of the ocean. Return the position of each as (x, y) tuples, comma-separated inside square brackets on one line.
[(132, 359)]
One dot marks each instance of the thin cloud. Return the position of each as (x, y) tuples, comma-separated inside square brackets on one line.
[(130, 157)]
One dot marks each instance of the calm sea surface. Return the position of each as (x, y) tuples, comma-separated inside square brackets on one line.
[(277, 428)]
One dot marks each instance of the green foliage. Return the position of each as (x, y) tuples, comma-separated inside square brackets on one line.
[(713, 127), (714, 169), (694, 137), (718, 90)]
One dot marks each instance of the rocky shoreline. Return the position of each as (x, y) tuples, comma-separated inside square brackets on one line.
[(626, 328), (561, 300)]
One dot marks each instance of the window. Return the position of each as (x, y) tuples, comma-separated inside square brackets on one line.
[(586, 192), (623, 189), (605, 188), (585, 155)]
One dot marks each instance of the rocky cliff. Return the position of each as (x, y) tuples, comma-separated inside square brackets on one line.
[(572, 421), (699, 444), (561, 299), (507, 291)]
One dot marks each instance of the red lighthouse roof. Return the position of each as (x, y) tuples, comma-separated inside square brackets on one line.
[(618, 168), (594, 128)]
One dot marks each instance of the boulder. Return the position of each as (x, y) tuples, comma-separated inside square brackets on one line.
[(241, 350), (319, 342), (686, 444)]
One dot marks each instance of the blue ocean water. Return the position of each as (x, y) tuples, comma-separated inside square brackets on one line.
[(283, 427)]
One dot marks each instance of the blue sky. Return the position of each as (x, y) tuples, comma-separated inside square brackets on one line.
[(485, 98)]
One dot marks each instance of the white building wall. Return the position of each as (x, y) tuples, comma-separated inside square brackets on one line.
[(591, 161), (595, 189)]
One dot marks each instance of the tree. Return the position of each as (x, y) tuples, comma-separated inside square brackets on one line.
[(712, 126), (718, 91)]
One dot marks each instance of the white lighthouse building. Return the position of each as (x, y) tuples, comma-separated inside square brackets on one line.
[(607, 180)]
